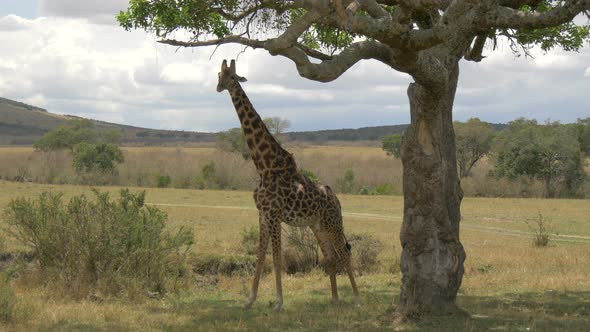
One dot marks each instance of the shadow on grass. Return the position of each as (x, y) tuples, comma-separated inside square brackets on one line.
[(549, 311)]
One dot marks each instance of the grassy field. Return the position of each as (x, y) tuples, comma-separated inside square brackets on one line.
[(143, 167), (508, 284)]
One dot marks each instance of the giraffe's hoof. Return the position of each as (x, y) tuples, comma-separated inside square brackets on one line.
[(335, 301), (278, 307), (248, 306), (357, 302)]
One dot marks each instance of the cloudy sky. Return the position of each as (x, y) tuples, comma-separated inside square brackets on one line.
[(70, 56)]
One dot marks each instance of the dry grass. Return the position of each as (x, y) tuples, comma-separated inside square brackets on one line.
[(370, 165), (508, 284)]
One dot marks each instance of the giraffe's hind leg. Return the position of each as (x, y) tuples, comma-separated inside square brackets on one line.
[(355, 291), (261, 255), (278, 266), (324, 241), (334, 287)]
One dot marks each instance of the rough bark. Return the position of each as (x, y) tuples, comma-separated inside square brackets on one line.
[(432, 256)]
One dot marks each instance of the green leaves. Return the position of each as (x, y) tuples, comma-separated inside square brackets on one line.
[(102, 157), (392, 144), (473, 141), (166, 16), (569, 36), (549, 152)]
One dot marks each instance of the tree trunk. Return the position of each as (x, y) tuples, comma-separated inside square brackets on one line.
[(432, 256)]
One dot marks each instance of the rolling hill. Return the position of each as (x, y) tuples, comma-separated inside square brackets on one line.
[(22, 124)]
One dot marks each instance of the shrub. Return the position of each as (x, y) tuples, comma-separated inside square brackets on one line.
[(102, 157), (541, 231), (345, 184), (310, 175), (208, 179), (103, 246), (365, 252), (301, 253), (7, 300), (250, 238), (214, 264), (383, 189), (163, 180)]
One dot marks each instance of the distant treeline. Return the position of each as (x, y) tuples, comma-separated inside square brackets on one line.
[(352, 135)]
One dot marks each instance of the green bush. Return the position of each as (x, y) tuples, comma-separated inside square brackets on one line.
[(541, 229), (102, 157), (110, 247), (365, 252), (208, 178), (310, 175), (214, 264), (383, 189), (250, 238), (346, 183), (7, 300), (301, 252), (163, 180)]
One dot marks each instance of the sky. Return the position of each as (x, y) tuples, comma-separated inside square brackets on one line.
[(71, 57)]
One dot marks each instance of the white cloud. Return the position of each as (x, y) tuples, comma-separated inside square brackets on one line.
[(12, 23), (68, 64), (102, 12)]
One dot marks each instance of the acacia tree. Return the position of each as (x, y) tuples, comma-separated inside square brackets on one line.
[(423, 38), (474, 141)]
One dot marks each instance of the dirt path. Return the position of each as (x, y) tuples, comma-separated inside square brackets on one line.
[(398, 218)]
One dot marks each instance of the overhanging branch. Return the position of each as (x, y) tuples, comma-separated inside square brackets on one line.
[(329, 70), (508, 18)]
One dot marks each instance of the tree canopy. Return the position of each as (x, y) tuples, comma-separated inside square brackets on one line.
[(340, 33), (474, 141), (392, 144), (548, 152)]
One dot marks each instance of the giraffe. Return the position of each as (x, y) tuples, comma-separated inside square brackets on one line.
[(283, 194)]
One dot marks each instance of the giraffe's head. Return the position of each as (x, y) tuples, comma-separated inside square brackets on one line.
[(228, 76)]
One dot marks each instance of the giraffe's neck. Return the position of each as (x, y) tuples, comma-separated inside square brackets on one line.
[(267, 154)]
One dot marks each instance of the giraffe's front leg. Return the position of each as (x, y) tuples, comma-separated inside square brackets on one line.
[(276, 257), (264, 231)]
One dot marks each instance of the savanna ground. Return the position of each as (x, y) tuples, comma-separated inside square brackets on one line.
[(508, 284)]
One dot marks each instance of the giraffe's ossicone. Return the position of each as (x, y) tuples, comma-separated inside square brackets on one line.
[(284, 194)]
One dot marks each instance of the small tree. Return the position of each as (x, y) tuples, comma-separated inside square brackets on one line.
[(112, 136), (392, 144), (277, 126), (474, 141), (549, 152), (232, 140), (67, 136), (102, 157)]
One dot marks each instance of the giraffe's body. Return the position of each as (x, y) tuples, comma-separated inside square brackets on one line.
[(283, 194)]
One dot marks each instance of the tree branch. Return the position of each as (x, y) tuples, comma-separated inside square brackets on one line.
[(296, 29), (475, 53), (254, 43), (508, 18), (329, 70)]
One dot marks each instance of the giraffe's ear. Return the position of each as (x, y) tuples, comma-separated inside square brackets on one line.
[(242, 79), (224, 65)]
